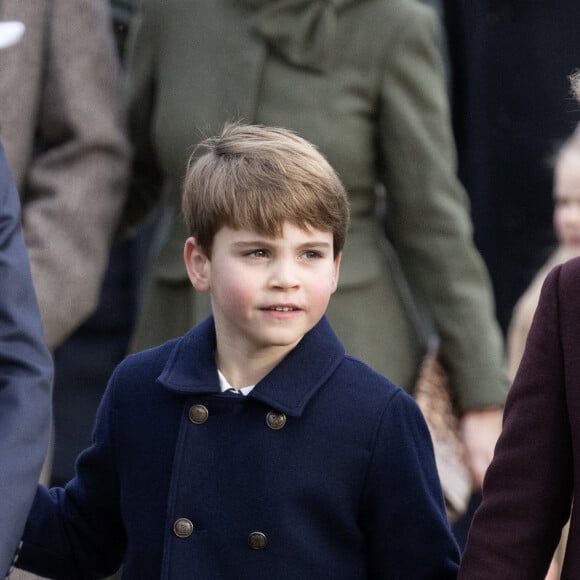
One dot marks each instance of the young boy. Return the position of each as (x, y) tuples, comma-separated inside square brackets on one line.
[(314, 467)]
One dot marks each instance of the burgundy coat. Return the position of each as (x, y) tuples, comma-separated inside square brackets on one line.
[(529, 487)]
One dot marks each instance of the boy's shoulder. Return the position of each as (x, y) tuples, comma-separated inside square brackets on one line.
[(175, 363), (149, 361), (357, 382), (319, 369)]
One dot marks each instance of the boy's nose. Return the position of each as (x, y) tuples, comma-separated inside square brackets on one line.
[(284, 274)]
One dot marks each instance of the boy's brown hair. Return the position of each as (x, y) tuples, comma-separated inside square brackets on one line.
[(256, 178)]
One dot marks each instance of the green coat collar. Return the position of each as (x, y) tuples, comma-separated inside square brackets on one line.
[(301, 31)]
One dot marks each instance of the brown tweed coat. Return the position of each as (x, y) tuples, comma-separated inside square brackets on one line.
[(60, 126)]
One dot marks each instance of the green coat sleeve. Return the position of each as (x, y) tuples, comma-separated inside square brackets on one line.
[(140, 93), (428, 213)]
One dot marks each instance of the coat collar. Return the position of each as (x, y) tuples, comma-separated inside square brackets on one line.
[(301, 31), (191, 369)]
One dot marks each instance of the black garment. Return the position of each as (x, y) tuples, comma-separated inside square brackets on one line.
[(512, 107), (121, 13), (84, 362)]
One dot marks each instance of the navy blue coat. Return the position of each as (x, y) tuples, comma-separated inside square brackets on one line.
[(325, 470), (25, 376)]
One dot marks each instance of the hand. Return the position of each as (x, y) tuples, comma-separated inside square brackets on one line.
[(480, 430)]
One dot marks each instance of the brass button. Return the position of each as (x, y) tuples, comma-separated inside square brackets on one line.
[(275, 420), (183, 528), (257, 540), (198, 414)]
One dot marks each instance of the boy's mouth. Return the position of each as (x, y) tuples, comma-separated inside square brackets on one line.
[(281, 308)]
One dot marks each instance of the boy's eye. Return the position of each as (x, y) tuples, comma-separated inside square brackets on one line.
[(312, 254), (258, 253)]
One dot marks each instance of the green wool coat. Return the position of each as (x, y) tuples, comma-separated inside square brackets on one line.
[(363, 80)]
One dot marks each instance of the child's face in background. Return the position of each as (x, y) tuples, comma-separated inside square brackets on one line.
[(567, 200)]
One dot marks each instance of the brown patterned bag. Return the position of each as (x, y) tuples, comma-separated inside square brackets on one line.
[(433, 396)]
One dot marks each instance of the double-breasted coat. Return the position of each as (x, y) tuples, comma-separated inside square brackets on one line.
[(61, 125), (363, 80), (533, 482), (325, 470)]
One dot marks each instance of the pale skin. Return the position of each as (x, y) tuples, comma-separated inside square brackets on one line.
[(480, 430), (266, 293), (567, 200)]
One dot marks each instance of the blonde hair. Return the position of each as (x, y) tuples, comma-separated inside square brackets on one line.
[(571, 143), (257, 178)]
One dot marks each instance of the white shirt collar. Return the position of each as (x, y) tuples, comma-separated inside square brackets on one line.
[(225, 386)]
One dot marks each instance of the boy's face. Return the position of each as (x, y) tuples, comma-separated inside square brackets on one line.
[(266, 292), (567, 200)]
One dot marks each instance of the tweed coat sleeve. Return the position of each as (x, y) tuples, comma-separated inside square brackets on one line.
[(527, 489), (76, 178), (25, 376), (428, 209)]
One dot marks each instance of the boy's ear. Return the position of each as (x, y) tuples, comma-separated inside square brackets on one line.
[(197, 265), (337, 260)]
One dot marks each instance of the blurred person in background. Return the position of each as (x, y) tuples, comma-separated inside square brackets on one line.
[(62, 127), (25, 375), (526, 504), (510, 60), (566, 218), (25, 363), (508, 65), (90, 354)]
